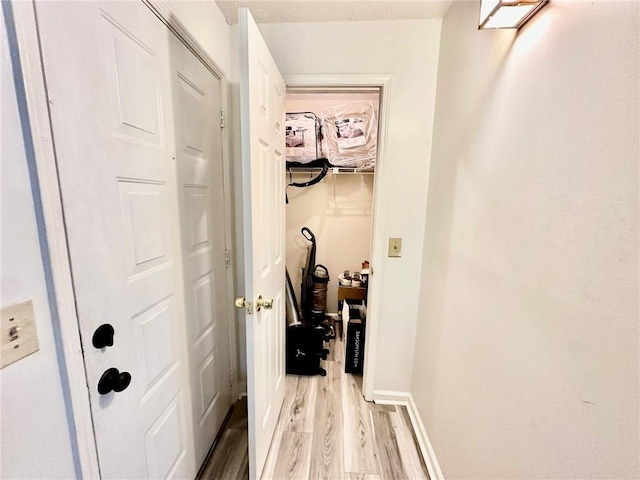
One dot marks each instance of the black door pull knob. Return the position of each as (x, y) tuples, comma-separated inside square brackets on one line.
[(103, 336), (113, 380)]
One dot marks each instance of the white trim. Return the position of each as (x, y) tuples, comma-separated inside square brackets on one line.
[(379, 200), (388, 397), (35, 88), (229, 243), (428, 453)]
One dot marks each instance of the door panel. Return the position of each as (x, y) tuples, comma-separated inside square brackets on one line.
[(165, 444), (263, 112), (197, 95)]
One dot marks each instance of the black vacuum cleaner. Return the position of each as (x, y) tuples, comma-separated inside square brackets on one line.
[(306, 331)]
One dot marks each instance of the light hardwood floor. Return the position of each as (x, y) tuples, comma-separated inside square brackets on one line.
[(326, 430), (230, 458)]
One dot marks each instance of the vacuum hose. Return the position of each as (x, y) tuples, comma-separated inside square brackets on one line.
[(322, 163)]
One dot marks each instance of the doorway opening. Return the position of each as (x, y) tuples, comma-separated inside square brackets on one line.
[(338, 209)]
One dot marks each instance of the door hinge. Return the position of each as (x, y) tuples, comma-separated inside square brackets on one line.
[(232, 378), (221, 118), (227, 258)]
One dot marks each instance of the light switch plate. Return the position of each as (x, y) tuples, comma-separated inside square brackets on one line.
[(23, 339), (395, 247)]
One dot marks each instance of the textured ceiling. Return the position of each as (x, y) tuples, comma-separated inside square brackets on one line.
[(275, 11)]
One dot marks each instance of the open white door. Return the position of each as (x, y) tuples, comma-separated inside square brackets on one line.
[(262, 98)]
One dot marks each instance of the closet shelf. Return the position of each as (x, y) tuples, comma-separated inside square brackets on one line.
[(333, 170)]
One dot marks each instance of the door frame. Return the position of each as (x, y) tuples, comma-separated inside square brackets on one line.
[(383, 82), (68, 345)]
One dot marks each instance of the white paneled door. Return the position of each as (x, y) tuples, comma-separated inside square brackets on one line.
[(262, 100), (128, 107), (197, 98)]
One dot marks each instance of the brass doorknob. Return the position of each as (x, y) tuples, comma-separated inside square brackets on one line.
[(266, 303)]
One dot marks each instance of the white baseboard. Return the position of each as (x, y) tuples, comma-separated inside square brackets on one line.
[(389, 397), (423, 440)]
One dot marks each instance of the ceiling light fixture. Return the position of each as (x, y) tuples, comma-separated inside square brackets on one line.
[(506, 13)]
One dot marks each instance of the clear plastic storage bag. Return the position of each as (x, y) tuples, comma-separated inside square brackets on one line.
[(301, 137), (350, 134)]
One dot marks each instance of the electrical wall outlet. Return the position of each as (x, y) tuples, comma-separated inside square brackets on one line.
[(395, 247), (18, 330)]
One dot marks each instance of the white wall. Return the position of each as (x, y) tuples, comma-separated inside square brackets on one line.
[(407, 50), (34, 435), (526, 359)]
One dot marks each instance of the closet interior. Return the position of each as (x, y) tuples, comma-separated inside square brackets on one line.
[(331, 150)]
